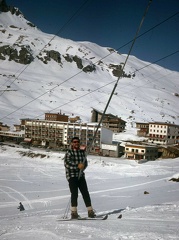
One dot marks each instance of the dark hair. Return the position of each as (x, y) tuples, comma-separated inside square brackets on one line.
[(75, 138)]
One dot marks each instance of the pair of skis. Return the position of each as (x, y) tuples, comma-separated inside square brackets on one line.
[(87, 218), (83, 218)]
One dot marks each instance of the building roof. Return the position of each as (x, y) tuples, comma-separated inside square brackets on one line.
[(139, 145)]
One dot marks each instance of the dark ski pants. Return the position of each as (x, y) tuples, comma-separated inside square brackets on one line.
[(74, 185)]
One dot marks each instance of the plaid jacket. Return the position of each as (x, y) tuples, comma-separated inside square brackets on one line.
[(71, 160)]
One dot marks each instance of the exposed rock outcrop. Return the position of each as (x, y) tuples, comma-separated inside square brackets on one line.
[(22, 56)]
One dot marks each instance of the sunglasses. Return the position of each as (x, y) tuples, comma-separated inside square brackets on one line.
[(75, 142)]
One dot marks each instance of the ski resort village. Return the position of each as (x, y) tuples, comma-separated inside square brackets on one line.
[(55, 132), (89, 120)]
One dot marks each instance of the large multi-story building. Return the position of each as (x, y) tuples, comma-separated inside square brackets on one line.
[(109, 121), (59, 134), (163, 133)]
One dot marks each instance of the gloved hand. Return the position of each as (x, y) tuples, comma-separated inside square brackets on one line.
[(81, 166)]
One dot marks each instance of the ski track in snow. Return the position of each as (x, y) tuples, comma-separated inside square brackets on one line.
[(22, 180), (48, 200), (127, 187), (18, 193)]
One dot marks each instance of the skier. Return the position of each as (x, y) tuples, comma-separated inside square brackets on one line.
[(75, 163), (21, 207)]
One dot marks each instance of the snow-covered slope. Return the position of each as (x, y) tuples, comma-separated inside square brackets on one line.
[(116, 186), (42, 73)]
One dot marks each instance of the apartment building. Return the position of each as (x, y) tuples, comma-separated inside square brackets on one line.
[(139, 152), (59, 134), (163, 133), (109, 121)]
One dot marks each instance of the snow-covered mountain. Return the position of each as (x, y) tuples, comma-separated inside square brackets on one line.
[(40, 73)]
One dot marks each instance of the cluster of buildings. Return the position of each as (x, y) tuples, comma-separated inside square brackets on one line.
[(56, 131)]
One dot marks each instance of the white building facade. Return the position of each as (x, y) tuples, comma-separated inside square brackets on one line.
[(163, 133), (56, 133)]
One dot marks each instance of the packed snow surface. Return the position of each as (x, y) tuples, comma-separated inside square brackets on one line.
[(142, 193)]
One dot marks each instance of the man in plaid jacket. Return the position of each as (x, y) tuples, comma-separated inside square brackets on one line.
[(75, 163)]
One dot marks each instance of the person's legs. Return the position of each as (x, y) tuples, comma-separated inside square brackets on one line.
[(73, 185), (84, 191), (86, 196)]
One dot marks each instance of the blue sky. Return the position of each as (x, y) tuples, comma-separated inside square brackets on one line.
[(111, 24)]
